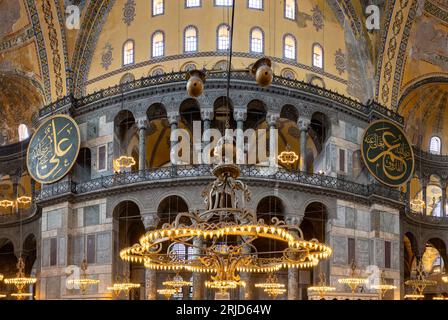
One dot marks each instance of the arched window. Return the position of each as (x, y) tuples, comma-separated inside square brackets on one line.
[(435, 145), (157, 72), (255, 4), (289, 47), (191, 39), (190, 66), (290, 9), (128, 52), (223, 3), (288, 74), (223, 37), (318, 56), (23, 132), (256, 40), (157, 7), (192, 3), (158, 44), (128, 77)]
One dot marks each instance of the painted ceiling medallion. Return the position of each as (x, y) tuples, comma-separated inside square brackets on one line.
[(318, 18), (129, 12)]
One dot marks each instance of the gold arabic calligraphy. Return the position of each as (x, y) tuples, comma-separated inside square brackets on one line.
[(51, 150), (390, 151)]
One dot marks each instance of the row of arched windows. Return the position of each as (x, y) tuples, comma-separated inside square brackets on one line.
[(223, 44), (290, 6)]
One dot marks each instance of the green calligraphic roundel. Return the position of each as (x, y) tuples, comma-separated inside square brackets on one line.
[(387, 153), (53, 149)]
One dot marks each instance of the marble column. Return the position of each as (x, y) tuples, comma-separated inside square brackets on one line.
[(207, 117), (303, 125), (271, 120), (293, 273), (246, 293), (198, 278), (424, 183), (173, 120), (443, 199), (150, 221), (141, 123), (240, 115)]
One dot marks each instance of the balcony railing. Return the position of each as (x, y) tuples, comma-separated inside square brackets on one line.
[(424, 218), (178, 77), (204, 171)]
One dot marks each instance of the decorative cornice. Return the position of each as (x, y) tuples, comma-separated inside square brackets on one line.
[(213, 54)]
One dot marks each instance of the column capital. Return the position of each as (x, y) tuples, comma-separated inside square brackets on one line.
[(173, 117), (240, 114), (303, 123), (272, 118), (150, 221), (142, 124), (207, 114)]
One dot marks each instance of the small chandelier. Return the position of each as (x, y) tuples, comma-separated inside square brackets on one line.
[(420, 282), (441, 297), (83, 282), (6, 204), (2, 296), (272, 287), (177, 282), (417, 205), (383, 287), (414, 296), (167, 292), (322, 288), (21, 281), (288, 157), (123, 162), (353, 282), (24, 200), (126, 286), (445, 279)]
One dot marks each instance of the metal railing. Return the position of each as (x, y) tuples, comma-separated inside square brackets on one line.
[(186, 172), (176, 77)]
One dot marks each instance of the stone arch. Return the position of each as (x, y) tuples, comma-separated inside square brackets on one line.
[(256, 114), (440, 245)]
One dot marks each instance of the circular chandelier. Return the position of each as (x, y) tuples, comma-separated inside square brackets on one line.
[(167, 292), (272, 287), (20, 281), (417, 205), (24, 200), (441, 297), (322, 287), (126, 286), (83, 281), (225, 228), (383, 287), (353, 281), (6, 204), (414, 296), (177, 282), (420, 282), (123, 162)]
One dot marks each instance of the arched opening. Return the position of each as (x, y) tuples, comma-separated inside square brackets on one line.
[(289, 134), (125, 138), (256, 114), (8, 263), (129, 228), (23, 132), (313, 227), (167, 210), (29, 254), (157, 137), (410, 248), (83, 166), (223, 109)]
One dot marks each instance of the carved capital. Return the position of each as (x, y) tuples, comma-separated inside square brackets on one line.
[(141, 123), (173, 118), (303, 123), (207, 114), (240, 114), (272, 118), (150, 221)]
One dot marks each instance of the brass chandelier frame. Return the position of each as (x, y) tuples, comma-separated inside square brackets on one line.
[(228, 230)]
